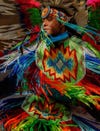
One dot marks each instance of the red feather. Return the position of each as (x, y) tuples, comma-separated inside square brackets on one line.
[(90, 40), (26, 4), (93, 3), (91, 82)]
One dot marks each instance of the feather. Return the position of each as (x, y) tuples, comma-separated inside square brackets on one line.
[(28, 3), (10, 103), (73, 92), (94, 18), (35, 17), (88, 121), (11, 30), (83, 126), (31, 123), (93, 3), (72, 8)]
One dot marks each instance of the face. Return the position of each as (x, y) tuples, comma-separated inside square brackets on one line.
[(52, 26)]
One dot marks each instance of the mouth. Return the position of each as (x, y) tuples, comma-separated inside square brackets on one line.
[(46, 28), (47, 31)]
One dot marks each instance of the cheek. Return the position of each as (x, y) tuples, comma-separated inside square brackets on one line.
[(55, 25), (56, 28)]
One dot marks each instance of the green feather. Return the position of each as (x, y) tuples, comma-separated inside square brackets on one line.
[(35, 17), (30, 123), (94, 18), (79, 93)]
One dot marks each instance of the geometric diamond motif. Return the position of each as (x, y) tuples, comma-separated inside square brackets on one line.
[(61, 64)]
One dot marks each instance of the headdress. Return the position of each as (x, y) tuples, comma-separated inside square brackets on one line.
[(72, 8), (53, 12), (94, 13)]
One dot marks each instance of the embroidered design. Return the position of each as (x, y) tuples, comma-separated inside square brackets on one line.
[(43, 109), (61, 63)]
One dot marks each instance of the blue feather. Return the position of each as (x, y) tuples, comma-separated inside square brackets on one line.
[(92, 63), (22, 64), (83, 126)]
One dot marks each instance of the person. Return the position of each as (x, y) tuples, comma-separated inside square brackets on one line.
[(53, 72), (51, 25)]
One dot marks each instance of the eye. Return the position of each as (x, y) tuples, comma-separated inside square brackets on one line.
[(49, 18)]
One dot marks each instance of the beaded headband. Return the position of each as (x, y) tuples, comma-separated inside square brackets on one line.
[(53, 12)]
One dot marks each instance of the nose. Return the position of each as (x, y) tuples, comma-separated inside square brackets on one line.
[(45, 22)]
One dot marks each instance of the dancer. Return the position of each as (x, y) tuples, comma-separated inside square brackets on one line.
[(53, 67)]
